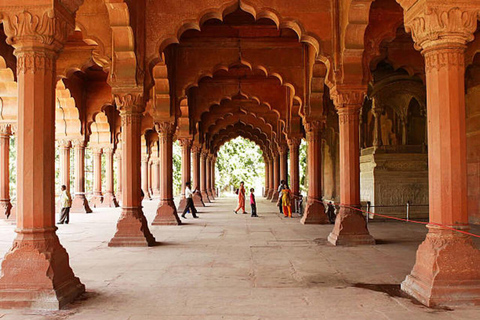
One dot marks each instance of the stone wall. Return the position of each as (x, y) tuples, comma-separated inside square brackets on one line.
[(392, 179)]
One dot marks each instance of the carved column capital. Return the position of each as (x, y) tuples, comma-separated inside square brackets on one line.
[(441, 23), (108, 150), (196, 149), (130, 103), (78, 144), (294, 142), (283, 149), (38, 26), (5, 130), (65, 144), (165, 130), (96, 150), (185, 142), (348, 96)]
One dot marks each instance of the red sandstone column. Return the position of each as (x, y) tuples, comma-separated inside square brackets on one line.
[(132, 228), (197, 197), (350, 225), (203, 176), (109, 199), (208, 172), (97, 198), (156, 177), (64, 146), (186, 145), (283, 152), (166, 212), (214, 189), (150, 176), (5, 204), (36, 271), (118, 156), (145, 177), (294, 145), (79, 203), (276, 176), (314, 210), (270, 177), (267, 179), (446, 270)]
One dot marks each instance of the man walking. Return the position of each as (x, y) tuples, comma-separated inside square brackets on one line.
[(189, 204), (66, 203)]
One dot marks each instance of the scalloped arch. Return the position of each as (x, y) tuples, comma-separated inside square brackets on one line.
[(221, 12)]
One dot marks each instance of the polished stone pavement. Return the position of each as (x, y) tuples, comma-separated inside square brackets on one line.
[(227, 266)]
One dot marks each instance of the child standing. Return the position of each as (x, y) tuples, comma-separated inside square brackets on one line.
[(253, 203)]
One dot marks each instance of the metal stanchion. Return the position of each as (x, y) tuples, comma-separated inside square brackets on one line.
[(408, 210)]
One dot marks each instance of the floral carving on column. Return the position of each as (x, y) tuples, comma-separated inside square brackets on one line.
[(350, 225), (445, 271), (37, 32), (132, 228)]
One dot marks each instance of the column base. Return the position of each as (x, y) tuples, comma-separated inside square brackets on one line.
[(314, 213), (110, 201), (270, 195), (132, 230), (96, 201), (265, 193), (210, 195), (36, 273), (275, 197), (350, 229), (5, 208), (446, 271), (182, 204), (197, 200), (166, 214), (205, 197), (80, 204)]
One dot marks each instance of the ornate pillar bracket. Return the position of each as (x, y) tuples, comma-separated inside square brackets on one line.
[(166, 212), (350, 225), (314, 210), (37, 32), (132, 227), (441, 30)]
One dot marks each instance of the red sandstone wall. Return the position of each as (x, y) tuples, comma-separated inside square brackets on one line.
[(473, 152)]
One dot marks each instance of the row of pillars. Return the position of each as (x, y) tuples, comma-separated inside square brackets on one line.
[(36, 271)]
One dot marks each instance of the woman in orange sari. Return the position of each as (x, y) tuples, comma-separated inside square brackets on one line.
[(286, 202), (241, 199)]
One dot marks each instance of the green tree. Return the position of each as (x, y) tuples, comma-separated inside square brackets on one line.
[(240, 160)]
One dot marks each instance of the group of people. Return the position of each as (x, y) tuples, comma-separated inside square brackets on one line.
[(284, 200), (241, 200)]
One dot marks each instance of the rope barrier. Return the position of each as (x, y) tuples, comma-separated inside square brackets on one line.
[(406, 220)]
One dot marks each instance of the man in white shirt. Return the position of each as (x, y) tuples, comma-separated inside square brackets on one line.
[(189, 205), (66, 203)]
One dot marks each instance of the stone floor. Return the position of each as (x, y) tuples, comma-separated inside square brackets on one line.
[(227, 266)]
